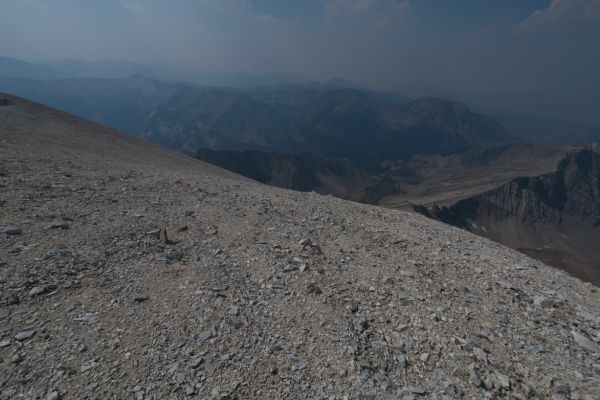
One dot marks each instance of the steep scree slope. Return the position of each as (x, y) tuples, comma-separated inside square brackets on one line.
[(258, 292)]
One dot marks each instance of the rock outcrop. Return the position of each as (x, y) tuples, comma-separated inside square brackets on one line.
[(566, 201)]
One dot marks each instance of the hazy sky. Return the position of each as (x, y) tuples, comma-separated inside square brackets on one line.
[(469, 44)]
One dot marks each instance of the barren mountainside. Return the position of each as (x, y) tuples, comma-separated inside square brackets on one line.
[(131, 271)]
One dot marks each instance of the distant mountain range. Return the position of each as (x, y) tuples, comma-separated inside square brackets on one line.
[(13, 68), (325, 120), (429, 154), (549, 116), (120, 69)]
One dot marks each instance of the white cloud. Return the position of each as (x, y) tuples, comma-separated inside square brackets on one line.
[(564, 11)]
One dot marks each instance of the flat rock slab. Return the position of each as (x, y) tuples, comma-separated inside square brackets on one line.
[(233, 310), (139, 297), (4, 313), (11, 230), (585, 342), (58, 225), (24, 335), (36, 291), (204, 336)]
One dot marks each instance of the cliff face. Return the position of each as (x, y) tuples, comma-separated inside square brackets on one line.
[(579, 176), (574, 189), (557, 212)]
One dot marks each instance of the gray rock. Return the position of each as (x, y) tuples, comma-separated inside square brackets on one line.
[(196, 362), (139, 297), (419, 389), (11, 230), (366, 397), (233, 310), (92, 387), (475, 378), (290, 268), (172, 368), (4, 313), (388, 386), (585, 342), (24, 335), (521, 265), (4, 343), (36, 291), (501, 380), (58, 225), (204, 336), (13, 299), (480, 355), (163, 236), (53, 396), (402, 361), (15, 249), (89, 366), (562, 390), (306, 243), (313, 288), (154, 233)]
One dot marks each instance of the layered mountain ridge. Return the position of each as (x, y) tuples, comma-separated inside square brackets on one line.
[(556, 213), (329, 121)]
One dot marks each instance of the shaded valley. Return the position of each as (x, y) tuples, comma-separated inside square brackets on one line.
[(305, 173)]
